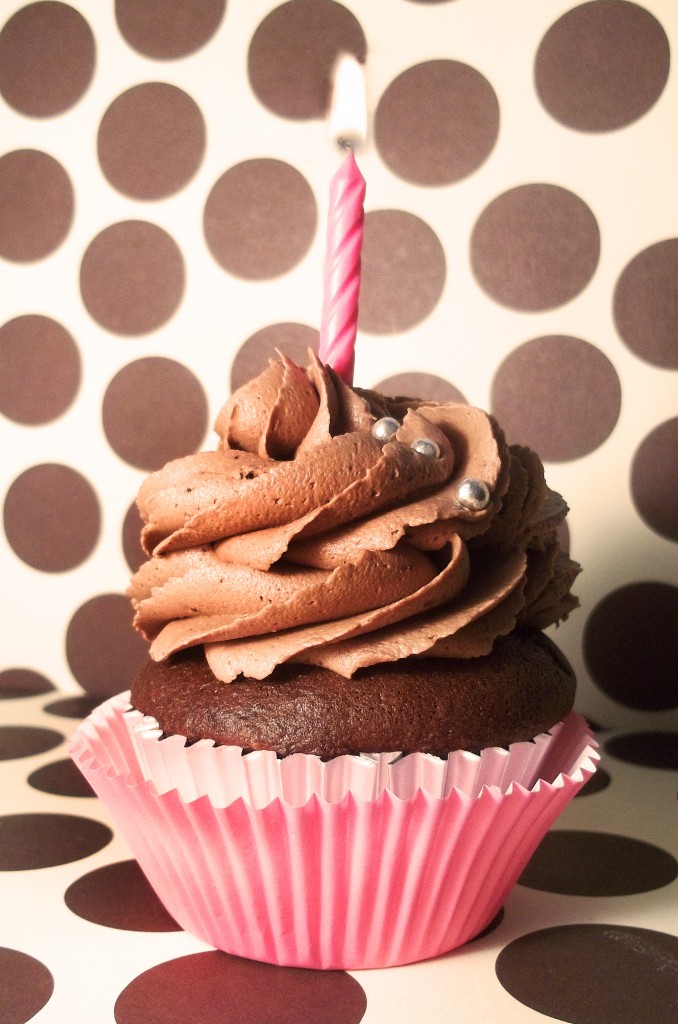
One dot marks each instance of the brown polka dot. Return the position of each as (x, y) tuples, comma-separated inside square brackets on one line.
[(260, 219), (403, 272), (597, 864), (646, 304), (46, 58), (630, 643), (167, 31), (595, 725), (23, 682), (621, 56), (594, 973), (558, 395), (437, 122), (39, 369), (103, 650), (419, 385), (36, 205), (135, 555), (132, 277), (52, 517), (26, 740), (252, 357), (154, 410), (650, 749), (151, 140), (30, 841), (62, 778), (535, 247), (599, 781), (654, 479), (250, 990), (292, 54), (26, 986), (118, 896), (72, 707)]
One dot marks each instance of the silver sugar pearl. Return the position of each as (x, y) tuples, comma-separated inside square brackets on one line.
[(385, 429), (426, 447), (473, 494)]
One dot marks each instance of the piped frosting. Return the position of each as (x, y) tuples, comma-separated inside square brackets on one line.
[(307, 536)]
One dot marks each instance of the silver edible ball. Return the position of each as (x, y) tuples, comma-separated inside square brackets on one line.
[(473, 494), (385, 429), (426, 447)]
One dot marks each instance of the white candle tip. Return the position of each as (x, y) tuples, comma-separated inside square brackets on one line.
[(347, 120)]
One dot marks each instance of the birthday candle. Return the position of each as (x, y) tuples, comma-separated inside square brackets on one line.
[(344, 226)]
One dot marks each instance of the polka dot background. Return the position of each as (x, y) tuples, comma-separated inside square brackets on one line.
[(164, 177)]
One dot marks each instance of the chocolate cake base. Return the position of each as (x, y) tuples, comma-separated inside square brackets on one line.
[(434, 705)]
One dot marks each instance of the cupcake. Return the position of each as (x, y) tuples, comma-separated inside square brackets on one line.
[(352, 731)]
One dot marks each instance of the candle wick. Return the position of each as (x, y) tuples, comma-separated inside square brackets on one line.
[(346, 144)]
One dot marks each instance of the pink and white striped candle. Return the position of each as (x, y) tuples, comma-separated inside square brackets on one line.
[(345, 224)]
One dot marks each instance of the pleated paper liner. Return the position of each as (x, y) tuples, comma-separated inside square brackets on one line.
[(366, 861)]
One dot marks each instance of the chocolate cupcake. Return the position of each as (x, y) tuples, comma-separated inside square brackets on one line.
[(344, 605), (430, 705)]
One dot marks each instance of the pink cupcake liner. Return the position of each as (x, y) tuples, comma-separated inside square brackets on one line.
[(360, 862), (223, 774)]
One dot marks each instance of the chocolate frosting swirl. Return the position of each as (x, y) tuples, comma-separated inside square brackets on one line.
[(305, 538)]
